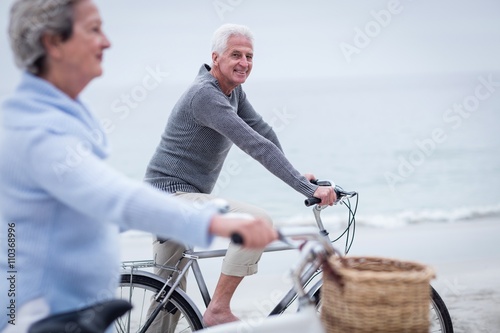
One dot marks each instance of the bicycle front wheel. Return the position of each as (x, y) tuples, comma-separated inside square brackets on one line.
[(140, 290), (439, 316), (440, 320)]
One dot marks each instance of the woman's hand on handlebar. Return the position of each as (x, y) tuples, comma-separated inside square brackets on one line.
[(256, 233)]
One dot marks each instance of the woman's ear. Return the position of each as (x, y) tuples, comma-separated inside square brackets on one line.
[(52, 44)]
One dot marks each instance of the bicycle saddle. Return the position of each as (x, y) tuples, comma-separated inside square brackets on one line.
[(93, 319)]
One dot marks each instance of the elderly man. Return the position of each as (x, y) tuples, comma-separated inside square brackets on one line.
[(210, 116)]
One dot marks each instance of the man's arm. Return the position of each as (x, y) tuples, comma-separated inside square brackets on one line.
[(214, 111), (255, 120)]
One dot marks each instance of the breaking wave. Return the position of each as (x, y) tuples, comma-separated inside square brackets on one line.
[(399, 219)]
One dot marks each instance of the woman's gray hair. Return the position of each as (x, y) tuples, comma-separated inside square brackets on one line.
[(29, 21), (223, 33)]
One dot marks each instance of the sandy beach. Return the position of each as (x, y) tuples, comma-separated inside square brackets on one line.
[(398, 100), (465, 256)]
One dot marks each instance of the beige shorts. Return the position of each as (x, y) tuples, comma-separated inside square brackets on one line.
[(238, 261)]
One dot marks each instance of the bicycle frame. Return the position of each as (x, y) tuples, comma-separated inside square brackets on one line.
[(306, 319), (313, 256), (192, 257), (282, 305)]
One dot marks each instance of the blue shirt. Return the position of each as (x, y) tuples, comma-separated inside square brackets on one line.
[(65, 206)]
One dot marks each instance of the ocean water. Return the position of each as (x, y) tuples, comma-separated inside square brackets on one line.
[(417, 149), (409, 121)]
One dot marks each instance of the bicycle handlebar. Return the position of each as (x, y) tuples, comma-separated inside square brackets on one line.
[(339, 191), (287, 234), (236, 238)]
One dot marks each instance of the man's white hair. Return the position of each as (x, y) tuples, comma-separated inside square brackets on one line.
[(223, 33)]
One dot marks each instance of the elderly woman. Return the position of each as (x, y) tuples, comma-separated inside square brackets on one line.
[(61, 205)]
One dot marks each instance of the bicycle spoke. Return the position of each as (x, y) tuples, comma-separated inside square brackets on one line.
[(141, 294)]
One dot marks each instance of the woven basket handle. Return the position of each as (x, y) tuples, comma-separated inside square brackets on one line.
[(331, 272)]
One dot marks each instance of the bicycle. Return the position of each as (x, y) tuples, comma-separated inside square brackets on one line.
[(139, 286), (314, 253), (96, 318), (316, 250)]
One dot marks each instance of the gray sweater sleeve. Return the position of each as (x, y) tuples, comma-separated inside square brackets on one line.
[(213, 109), (254, 120)]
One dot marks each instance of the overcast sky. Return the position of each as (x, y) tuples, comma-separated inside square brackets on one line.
[(295, 39), (334, 40)]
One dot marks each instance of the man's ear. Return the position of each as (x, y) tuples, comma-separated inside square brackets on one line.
[(215, 57), (52, 44)]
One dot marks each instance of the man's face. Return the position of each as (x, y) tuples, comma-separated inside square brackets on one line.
[(235, 64)]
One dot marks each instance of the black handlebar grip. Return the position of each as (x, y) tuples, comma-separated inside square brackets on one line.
[(236, 238), (311, 201)]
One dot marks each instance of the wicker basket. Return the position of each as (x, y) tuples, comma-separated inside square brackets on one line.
[(369, 294)]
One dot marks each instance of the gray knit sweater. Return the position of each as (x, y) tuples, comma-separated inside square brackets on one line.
[(200, 131)]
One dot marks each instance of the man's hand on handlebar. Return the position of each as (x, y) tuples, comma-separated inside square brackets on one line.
[(309, 176), (326, 194)]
